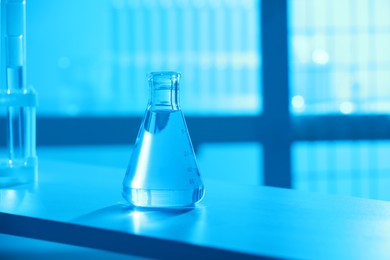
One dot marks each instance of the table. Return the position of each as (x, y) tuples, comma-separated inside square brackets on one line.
[(80, 204)]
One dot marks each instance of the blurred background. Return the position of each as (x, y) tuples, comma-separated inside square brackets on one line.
[(289, 93)]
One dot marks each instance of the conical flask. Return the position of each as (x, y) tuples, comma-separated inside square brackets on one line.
[(163, 171)]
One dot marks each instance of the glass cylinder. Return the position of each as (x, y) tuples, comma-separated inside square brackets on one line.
[(18, 160)]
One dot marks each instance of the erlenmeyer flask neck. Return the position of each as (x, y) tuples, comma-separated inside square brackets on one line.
[(164, 90)]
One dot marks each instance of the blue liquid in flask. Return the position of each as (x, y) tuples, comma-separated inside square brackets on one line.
[(163, 171)]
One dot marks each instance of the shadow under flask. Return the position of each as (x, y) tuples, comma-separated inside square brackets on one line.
[(163, 171)]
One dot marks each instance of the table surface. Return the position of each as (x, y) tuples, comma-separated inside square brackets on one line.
[(80, 204)]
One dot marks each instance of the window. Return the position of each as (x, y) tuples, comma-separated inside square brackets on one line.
[(339, 57), (89, 65), (92, 57), (287, 81), (358, 168), (339, 85)]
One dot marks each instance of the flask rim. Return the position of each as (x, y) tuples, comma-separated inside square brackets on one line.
[(163, 75)]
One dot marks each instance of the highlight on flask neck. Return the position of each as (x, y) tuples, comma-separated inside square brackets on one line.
[(164, 90)]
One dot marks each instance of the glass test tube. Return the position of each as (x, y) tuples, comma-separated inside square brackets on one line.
[(18, 161)]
